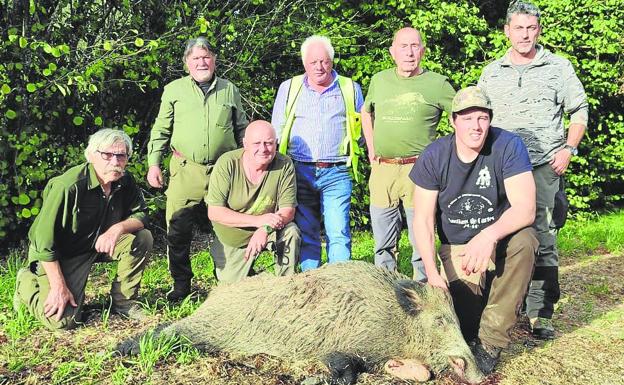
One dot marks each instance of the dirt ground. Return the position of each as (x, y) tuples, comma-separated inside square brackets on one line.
[(589, 347)]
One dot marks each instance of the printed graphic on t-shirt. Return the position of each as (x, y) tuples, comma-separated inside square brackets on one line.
[(402, 107), (471, 211), (483, 181)]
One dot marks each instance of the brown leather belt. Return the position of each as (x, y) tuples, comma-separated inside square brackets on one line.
[(180, 155), (408, 160), (324, 164)]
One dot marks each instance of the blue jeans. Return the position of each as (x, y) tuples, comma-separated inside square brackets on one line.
[(326, 192)]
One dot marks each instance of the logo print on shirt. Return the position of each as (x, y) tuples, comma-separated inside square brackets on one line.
[(483, 181)]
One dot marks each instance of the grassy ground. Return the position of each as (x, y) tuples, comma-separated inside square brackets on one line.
[(589, 347)]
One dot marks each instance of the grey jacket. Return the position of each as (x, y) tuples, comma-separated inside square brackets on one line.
[(532, 102)]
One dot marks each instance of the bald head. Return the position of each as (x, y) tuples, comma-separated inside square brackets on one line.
[(407, 50), (259, 143), (261, 128)]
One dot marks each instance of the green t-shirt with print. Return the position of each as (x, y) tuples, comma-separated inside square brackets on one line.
[(229, 187), (406, 111)]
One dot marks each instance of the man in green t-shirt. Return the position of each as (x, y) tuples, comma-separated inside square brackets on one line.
[(251, 201), (94, 212), (399, 119), (200, 118)]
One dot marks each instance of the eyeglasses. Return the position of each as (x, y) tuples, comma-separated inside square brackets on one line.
[(121, 157)]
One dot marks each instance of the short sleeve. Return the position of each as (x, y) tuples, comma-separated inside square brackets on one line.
[(219, 186), (515, 158), (425, 172)]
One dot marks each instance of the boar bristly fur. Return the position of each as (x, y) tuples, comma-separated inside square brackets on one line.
[(353, 309)]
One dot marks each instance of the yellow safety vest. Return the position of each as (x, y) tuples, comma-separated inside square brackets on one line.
[(350, 144)]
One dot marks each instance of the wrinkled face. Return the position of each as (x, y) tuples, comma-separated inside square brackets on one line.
[(523, 31), (109, 163), (407, 50), (201, 64), (471, 128), (260, 145), (318, 65)]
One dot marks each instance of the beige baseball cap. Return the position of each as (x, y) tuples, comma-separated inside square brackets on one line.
[(470, 97)]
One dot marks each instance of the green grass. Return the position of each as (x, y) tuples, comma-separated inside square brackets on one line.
[(596, 233), (590, 312)]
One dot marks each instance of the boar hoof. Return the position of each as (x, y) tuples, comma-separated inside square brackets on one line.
[(344, 368), (408, 370)]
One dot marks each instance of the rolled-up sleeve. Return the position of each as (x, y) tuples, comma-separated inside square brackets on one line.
[(43, 230), (575, 99)]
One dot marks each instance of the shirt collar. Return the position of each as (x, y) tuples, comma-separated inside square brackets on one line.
[(213, 82), (537, 60), (333, 83)]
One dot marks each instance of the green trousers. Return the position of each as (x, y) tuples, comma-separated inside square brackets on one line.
[(188, 186), (230, 263), (32, 286), (487, 305)]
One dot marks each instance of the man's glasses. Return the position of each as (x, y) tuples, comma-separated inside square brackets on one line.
[(121, 157)]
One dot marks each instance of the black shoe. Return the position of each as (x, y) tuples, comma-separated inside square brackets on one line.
[(542, 328), (179, 291), (485, 356)]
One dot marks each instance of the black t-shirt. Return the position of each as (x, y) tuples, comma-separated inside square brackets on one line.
[(471, 196)]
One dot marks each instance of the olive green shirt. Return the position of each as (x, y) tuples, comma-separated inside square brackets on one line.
[(406, 111), (229, 187), (200, 127), (75, 212)]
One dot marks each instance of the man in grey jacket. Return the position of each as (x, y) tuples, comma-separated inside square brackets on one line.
[(531, 89)]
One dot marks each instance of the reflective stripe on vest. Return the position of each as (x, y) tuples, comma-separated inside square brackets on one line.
[(350, 145)]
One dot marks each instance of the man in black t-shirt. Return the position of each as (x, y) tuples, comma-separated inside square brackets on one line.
[(476, 185)]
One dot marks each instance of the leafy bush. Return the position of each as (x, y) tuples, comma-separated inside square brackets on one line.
[(69, 67)]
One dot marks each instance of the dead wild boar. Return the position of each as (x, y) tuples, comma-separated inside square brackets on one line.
[(353, 316)]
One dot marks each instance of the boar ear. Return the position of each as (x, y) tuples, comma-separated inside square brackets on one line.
[(408, 295)]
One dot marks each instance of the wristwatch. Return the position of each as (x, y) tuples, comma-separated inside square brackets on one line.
[(268, 229), (573, 150)]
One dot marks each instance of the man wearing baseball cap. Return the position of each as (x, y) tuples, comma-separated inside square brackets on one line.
[(476, 185)]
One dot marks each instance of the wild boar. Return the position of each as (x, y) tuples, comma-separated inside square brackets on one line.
[(353, 316)]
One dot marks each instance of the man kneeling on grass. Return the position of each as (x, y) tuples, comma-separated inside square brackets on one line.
[(94, 212), (251, 202), (477, 185)]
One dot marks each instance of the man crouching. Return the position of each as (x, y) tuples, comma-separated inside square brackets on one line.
[(476, 186), (94, 212), (251, 203)]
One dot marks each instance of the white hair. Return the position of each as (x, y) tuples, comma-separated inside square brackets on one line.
[(106, 137), (317, 39)]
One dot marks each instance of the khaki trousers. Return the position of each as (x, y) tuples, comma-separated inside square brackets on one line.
[(488, 304), (230, 263), (33, 287)]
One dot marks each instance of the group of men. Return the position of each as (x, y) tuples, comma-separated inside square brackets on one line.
[(489, 188)]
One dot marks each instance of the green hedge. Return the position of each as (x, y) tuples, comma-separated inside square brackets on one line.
[(69, 67)]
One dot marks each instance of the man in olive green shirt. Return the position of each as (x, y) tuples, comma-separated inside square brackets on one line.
[(94, 212), (401, 112), (200, 118), (251, 202)]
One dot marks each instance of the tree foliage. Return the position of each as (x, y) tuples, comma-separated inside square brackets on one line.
[(70, 67)]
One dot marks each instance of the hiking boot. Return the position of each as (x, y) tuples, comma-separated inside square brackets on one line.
[(133, 310), (542, 328), (179, 291), (486, 356)]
